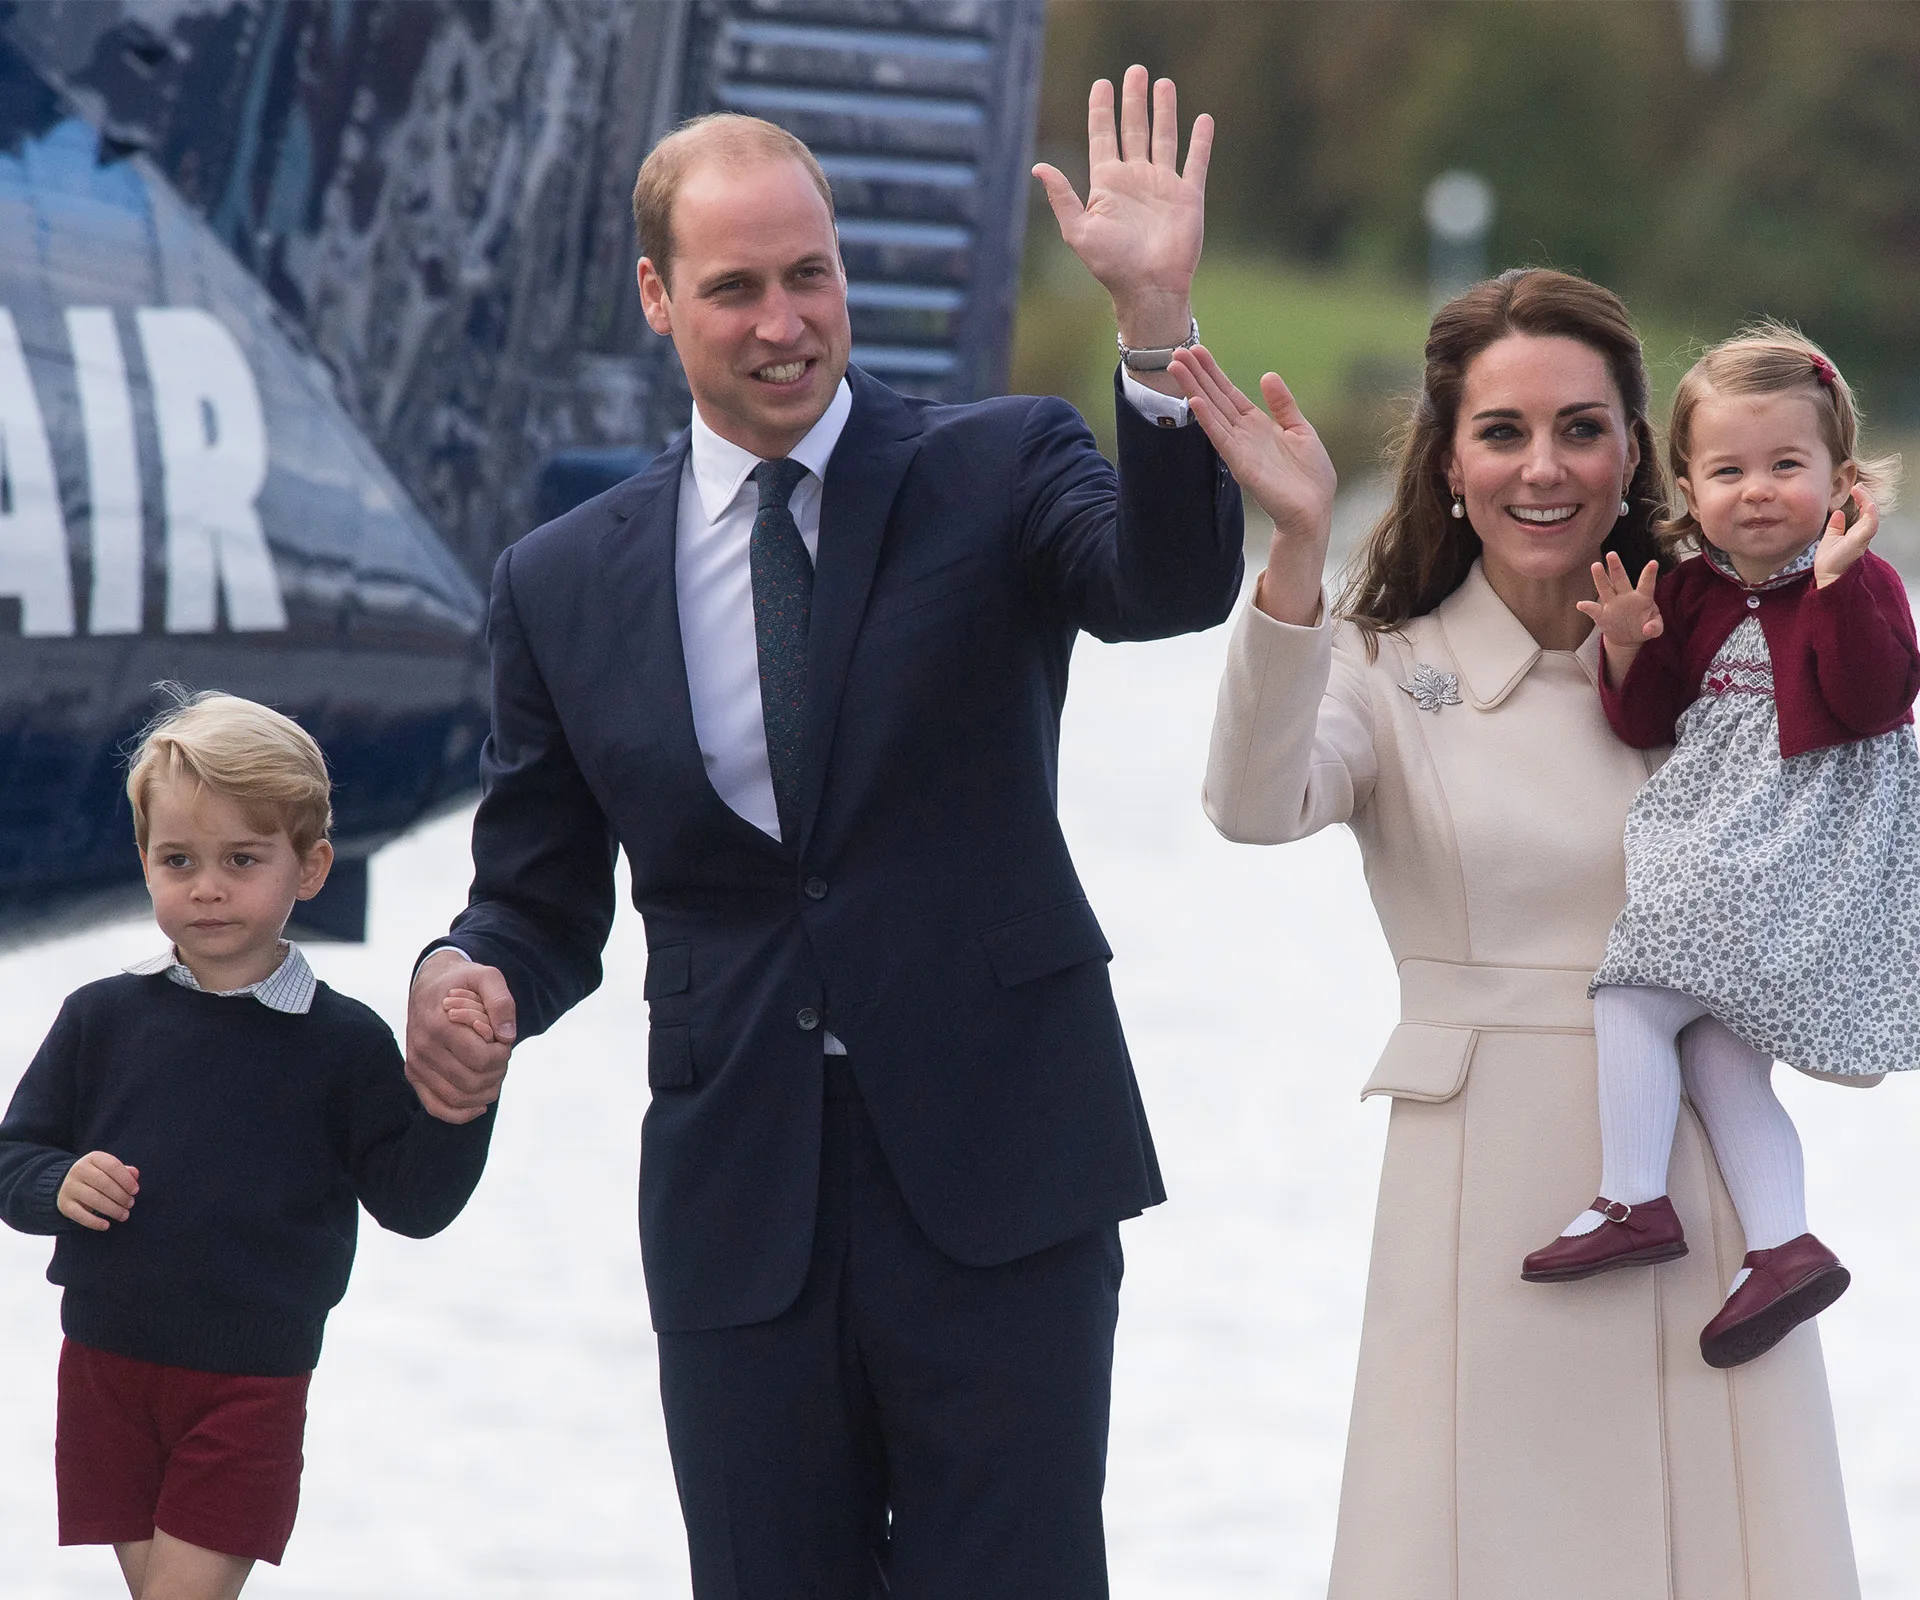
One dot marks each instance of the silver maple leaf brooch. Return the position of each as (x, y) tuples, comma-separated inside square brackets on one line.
[(1431, 688)]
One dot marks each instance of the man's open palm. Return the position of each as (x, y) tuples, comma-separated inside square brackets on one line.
[(1140, 230)]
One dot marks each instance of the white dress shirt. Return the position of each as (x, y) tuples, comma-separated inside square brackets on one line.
[(712, 572)]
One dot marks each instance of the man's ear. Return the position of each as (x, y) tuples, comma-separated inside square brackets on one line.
[(655, 303), (314, 867)]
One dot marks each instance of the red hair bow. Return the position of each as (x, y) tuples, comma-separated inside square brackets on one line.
[(1823, 370)]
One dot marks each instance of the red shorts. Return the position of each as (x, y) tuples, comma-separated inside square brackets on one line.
[(208, 1457)]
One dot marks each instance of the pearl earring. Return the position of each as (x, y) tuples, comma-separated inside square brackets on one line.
[(1624, 507), (1459, 508)]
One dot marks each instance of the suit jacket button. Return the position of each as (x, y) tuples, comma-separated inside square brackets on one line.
[(816, 888), (808, 1018)]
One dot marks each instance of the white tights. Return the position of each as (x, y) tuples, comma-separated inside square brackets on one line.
[(1649, 1041)]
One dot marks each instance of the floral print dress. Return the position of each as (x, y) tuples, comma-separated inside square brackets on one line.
[(1781, 892)]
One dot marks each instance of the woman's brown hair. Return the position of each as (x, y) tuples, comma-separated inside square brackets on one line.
[(1770, 357), (1418, 554)]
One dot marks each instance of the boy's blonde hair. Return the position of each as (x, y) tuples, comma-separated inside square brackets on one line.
[(1769, 357), (266, 763)]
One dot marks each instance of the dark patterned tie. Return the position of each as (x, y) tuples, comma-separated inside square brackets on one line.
[(782, 605)]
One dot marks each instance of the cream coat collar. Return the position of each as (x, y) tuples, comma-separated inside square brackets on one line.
[(1490, 646)]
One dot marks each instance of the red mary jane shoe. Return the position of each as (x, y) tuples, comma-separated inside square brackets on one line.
[(1784, 1286), (1631, 1236)]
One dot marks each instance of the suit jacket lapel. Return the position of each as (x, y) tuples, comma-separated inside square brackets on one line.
[(879, 442), (635, 560)]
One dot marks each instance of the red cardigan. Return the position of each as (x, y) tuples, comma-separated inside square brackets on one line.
[(1845, 662)]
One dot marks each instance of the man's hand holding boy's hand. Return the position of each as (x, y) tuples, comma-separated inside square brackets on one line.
[(98, 1191), (455, 1062)]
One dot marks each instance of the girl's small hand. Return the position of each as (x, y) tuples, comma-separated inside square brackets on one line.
[(466, 1008), (98, 1191), (1841, 546), (1625, 613)]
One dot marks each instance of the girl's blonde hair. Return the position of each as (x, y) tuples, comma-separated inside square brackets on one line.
[(1769, 357), (264, 762)]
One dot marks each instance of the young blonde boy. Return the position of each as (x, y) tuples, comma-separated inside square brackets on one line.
[(198, 1133)]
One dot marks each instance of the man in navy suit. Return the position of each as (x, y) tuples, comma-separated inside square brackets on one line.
[(807, 671)]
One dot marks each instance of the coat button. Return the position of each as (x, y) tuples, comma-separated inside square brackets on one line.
[(816, 888), (808, 1018), (1753, 602)]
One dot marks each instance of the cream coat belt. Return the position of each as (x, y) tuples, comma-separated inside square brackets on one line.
[(1446, 1005), (1461, 994)]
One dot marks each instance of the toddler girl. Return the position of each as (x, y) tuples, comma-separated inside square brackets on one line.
[(1773, 864)]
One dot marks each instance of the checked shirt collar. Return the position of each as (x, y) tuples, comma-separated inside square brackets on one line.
[(289, 987)]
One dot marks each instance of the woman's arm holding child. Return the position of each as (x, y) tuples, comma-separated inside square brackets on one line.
[(1865, 656)]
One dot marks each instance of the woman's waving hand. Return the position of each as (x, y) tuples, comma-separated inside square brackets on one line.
[(1276, 457)]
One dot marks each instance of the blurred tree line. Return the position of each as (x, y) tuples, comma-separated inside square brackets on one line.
[(1785, 181)]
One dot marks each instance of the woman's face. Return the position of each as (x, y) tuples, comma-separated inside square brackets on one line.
[(1542, 455)]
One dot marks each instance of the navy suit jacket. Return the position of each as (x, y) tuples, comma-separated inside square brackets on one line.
[(928, 913)]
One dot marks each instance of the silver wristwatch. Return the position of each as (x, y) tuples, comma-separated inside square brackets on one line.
[(1157, 360)]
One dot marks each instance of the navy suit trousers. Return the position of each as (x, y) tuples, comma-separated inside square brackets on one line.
[(909, 1427)]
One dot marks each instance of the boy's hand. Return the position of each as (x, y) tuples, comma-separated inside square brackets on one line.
[(1841, 546), (98, 1191), (465, 1008)]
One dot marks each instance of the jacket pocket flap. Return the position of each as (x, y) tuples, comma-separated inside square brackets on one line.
[(1045, 942), (669, 970), (1423, 1061)]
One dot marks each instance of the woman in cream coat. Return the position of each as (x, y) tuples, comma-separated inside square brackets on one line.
[(1509, 1441)]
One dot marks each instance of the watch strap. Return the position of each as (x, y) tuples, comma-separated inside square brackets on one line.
[(1158, 359)]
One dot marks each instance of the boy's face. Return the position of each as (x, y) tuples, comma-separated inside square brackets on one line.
[(223, 887)]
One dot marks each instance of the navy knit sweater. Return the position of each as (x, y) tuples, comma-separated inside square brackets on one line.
[(255, 1131)]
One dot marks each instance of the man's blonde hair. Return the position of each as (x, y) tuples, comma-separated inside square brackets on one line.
[(728, 137), (1769, 357), (264, 762)]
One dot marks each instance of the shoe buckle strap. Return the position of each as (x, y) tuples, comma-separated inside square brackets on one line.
[(1613, 1210)]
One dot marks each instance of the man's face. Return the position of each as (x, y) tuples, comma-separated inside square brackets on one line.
[(758, 308)]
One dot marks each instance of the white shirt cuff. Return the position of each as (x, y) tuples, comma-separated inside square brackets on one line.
[(436, 951), (1166, 410)]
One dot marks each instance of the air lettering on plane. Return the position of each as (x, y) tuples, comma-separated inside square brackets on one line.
[(213, 462), (33, 535), (113, 470)]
